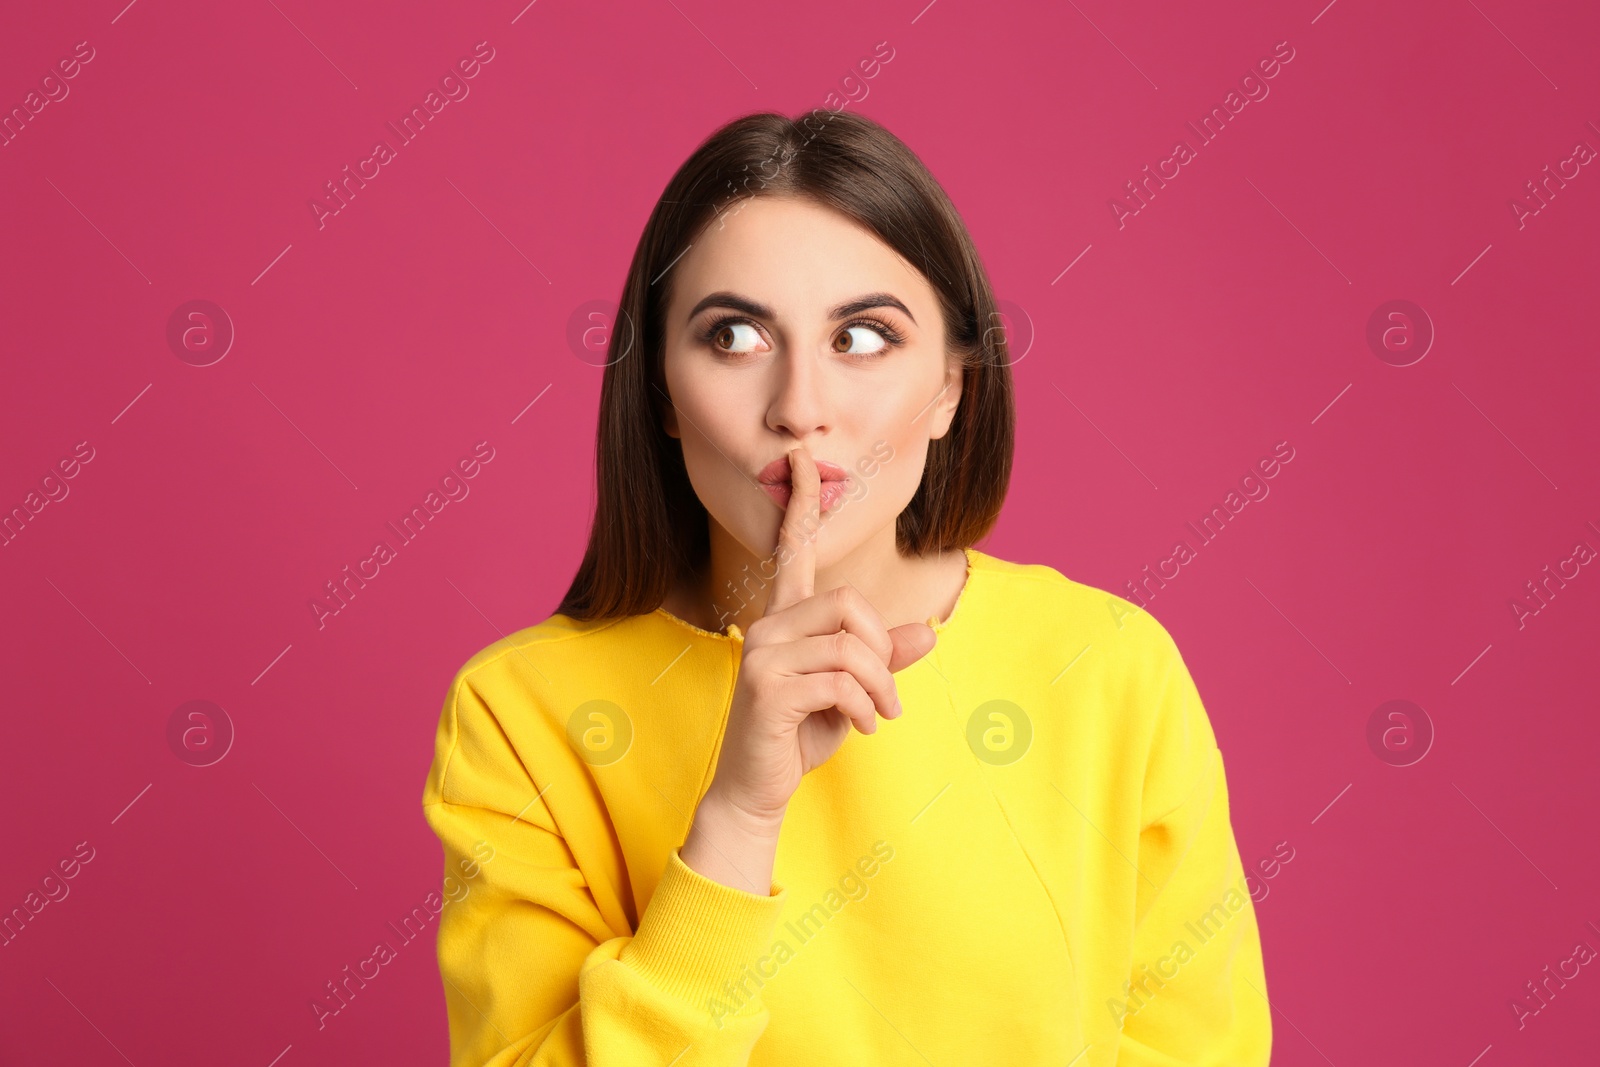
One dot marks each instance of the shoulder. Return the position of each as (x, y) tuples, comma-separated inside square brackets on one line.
[(1111, 660), (561, 662), (1024, 598), (501, 719), (530, 659), (542, 636)]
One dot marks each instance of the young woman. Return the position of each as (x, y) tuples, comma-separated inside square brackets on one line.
[(665, 843)]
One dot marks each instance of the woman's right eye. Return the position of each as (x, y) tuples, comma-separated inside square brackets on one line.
[(737, 338)]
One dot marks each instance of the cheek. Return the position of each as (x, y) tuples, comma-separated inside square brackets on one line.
[(890, 431), (702, 405), (716, 435), (889, 469), (708, 455)]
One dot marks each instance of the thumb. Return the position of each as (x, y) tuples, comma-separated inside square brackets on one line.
[(911, 642)]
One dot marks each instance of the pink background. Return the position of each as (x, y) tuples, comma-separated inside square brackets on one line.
[(372, 354)]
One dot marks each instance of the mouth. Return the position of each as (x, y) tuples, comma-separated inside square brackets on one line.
[(775, 479)]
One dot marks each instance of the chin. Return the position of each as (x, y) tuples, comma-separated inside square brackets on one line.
[(758, 535)]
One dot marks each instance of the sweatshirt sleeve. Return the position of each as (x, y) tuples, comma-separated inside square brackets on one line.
[(534, 971), (1196, 993)]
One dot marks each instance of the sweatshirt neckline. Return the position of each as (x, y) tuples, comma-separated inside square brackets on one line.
[(938, 625)]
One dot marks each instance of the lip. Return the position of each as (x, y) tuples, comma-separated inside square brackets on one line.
[(777, 472)]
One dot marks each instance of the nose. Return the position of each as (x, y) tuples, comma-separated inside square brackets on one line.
[(800, 405)]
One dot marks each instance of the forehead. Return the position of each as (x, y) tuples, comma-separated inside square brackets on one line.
[(796, 256)]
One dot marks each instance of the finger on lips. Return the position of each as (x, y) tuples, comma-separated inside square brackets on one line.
[(797, 556), (816, 621)]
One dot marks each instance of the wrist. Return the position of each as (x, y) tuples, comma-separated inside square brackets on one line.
[(729, 813)]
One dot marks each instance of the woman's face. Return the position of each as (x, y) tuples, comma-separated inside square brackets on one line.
[(790, 324)]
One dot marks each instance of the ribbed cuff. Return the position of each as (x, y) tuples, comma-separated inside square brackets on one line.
[(697, 934)]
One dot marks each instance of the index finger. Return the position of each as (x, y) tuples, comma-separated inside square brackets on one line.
[(797, 549)]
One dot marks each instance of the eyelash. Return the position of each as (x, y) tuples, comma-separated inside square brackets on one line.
[(892, 337)]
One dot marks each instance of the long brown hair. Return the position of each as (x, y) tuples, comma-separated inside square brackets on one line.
[(649, 528)]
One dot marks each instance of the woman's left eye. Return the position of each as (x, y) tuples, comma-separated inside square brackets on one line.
[(868, 336)]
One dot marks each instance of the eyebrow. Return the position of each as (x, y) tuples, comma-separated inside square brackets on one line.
[(753, 308)]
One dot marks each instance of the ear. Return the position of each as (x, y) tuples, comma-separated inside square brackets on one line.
[(944, 408)]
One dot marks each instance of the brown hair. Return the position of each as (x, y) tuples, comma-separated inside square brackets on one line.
[(649, 528)]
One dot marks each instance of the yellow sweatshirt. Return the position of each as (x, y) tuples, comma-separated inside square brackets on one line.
[(1034, 864)]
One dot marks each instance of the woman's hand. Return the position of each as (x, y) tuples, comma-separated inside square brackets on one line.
[(812, 666)]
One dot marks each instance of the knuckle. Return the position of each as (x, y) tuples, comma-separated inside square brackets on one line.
[(867, 664)]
